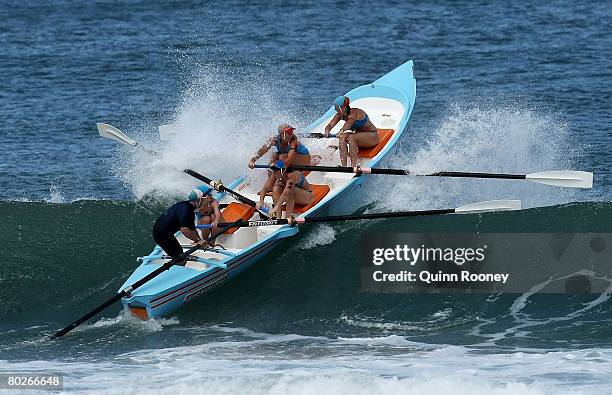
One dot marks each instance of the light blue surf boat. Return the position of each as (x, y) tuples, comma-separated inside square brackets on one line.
[(388, 101)]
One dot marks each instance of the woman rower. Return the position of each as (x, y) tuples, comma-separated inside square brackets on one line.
[(288, 149), (357, 132), (208, 212), (290, 187)]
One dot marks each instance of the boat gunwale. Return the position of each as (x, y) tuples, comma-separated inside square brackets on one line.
[(266, 243)]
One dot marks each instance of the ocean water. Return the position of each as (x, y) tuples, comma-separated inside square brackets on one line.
[(501, 87)]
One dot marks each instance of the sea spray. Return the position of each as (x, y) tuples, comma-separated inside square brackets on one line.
[(478, 138), (221, 121)]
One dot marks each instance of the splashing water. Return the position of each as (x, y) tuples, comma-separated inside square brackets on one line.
[(217, 128), (223, 120), (477, 139)]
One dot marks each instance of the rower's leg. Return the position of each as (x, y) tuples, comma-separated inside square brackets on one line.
[(267, 186), (302, 160), (278, 207), (204, 220), (276, 193), (302, 196), (290, 193), (215, 230), (361, 140), (366, 139), (343, 146), (353, 149)]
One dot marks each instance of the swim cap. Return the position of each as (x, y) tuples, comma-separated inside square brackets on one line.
[(341, 101), (278, 165), (285, 127), (195, 195), (206, 190)]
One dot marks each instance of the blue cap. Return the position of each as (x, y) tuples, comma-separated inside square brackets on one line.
[(278, 165), (339, 101), (195, 195), (205, 189)]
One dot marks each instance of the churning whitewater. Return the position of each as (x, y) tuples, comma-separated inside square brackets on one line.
[(501, 89)]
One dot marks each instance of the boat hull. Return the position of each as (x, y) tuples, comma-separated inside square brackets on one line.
[(388, 101)]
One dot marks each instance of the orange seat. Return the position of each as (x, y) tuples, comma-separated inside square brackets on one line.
[(384, 135), (319, 193), (234, 211)]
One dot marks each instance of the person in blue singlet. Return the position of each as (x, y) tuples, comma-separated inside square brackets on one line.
[(290, 187), (357, 132), (288, 149), (179, 216)]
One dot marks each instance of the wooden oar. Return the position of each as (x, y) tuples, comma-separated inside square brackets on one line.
[(490, 205), (128, 290), (564, 178), (111, 132)]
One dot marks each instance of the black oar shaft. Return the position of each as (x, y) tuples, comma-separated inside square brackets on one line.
[(225, 189), (356, 170), (87, 316), (402, 172), (478, 175), (338, 218), (139, 283)]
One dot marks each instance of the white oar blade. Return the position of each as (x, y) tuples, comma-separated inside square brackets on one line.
[(167, 132), (490, 205), (111, 132), (570, 179)]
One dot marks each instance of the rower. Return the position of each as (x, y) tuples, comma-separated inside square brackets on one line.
[(179, 216), (290, 187), (288, 149), (208, 212), (357, 132)]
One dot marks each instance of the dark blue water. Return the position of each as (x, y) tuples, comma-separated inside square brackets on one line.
[(66, 66), (500, 87)]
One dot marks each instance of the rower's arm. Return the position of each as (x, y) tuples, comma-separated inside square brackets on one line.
[(262, 194), (191, 234), (264, 148), (290, 184), (334, 121), (291, 154), (347, 125), (215, 205)]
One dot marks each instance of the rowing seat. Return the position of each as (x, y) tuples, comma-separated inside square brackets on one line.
[(235, 211), (319, 193), (384, 135)]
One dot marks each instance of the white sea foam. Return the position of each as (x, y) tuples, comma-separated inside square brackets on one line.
[(288, 363), (322, 235), (124, 318)]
